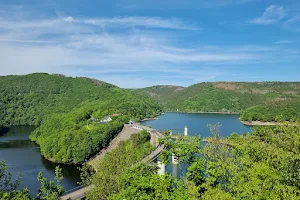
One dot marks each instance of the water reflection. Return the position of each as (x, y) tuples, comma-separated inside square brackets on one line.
[(22, 155), (197, 126)]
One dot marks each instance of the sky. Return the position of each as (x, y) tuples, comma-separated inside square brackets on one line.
[(139, 43)]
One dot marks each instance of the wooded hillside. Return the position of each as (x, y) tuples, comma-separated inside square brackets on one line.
[(222, 96), (68, 111)]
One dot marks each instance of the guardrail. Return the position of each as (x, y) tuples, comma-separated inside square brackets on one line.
[(73, 190)]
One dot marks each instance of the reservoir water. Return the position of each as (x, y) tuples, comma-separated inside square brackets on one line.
[(197, 123), (22, 155)]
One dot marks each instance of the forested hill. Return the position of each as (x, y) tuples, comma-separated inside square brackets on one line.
[(279, 111), (222, 96), (25, 100), (67, 112), (160, 93)]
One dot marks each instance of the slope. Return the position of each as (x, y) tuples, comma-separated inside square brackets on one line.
[(223, 96), (68, 111)]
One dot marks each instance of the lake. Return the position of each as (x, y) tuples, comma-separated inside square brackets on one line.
[(22, 155), (197, 123)]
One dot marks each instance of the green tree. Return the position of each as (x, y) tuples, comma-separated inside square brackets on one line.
[(50, 190)]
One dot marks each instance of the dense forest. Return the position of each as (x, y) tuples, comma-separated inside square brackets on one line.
[(221, 96), (67, 112), (263, 164), (279, 111), (120, 174), (259, 165)]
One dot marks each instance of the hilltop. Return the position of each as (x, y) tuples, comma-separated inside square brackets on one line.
[(160, 93), (221, 96), (67, 112)]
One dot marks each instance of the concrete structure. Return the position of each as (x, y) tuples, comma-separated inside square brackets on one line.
[(106, 119), (161, 168), (129, 129), (175, 171), (155, 135), (174, 159), (76, 193), (185, 131)]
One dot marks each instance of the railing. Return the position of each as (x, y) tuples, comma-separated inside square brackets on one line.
[(136, 126), (73, 190)]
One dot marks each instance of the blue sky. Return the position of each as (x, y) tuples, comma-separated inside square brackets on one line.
[(138, 43)]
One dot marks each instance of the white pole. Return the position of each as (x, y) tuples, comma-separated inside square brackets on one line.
[(185, 131), (161, 168), (174, 159)]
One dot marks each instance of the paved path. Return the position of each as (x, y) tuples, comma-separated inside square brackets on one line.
[(77, 194), (122, 136), (125, 134), (154, 154)]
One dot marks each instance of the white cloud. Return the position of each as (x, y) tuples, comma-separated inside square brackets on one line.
[(272, 15), (134, 21), (293, 23), (284, 42), (106, 48), (293, 19)]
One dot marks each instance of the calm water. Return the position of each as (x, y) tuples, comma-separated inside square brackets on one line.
[(197, 123), (21, 155)]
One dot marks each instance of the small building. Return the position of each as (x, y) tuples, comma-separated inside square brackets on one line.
[(92, 118), (106, 119), (131, 121)]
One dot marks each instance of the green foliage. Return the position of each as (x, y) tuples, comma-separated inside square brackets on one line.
[(16, 195), (8, 187), (221, 96), (111, 167), (142, 182), (279, 111), (50, 190), (68, 112), (262, 165), (6, 182)]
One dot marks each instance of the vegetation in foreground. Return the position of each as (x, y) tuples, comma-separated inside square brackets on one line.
[(49, 190), (221, 96), (261, 165)]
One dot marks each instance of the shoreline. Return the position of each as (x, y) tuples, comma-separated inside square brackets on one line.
[(200, 112), (148, 119), (260, 123)]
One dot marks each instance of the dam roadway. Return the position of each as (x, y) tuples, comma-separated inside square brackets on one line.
[(125, 134)]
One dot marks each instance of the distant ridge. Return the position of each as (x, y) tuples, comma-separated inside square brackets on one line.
[(221, 96)]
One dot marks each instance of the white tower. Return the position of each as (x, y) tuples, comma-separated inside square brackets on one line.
[(175, 171), (185, 131), (174, 159)]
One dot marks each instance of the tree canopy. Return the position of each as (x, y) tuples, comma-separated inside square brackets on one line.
[(259, 165), (221, 96), (279, 111), (68, 111), (49, 190)]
